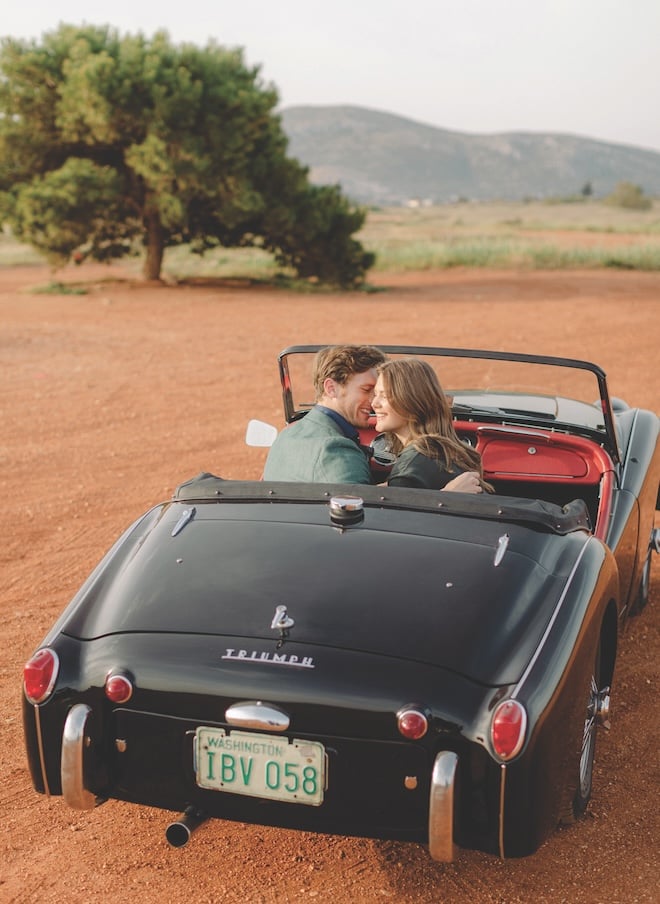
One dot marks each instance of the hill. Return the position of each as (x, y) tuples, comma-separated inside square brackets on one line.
[(380, 158)]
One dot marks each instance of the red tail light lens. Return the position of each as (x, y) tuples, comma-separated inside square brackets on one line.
[(118, 688), (40, 675), (507, 729), (412, 723)]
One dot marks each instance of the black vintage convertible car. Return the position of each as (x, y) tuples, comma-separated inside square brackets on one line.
[(364, 660)]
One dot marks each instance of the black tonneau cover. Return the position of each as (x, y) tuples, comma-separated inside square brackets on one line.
[(533, 512)]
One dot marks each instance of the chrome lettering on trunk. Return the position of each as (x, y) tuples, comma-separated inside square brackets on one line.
[(263, 656)]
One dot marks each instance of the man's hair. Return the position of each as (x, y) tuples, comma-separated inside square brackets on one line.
[(339, 362)]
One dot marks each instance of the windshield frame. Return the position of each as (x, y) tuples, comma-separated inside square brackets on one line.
[(606, 437)]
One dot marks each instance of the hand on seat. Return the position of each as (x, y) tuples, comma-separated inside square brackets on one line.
[(468, 482)]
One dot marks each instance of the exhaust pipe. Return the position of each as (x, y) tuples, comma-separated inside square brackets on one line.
[(178, 832)]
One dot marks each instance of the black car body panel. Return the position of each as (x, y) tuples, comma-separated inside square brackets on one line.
[(198, 577), (257, 598)]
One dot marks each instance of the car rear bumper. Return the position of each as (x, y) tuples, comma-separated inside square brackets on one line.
[(374, 788)]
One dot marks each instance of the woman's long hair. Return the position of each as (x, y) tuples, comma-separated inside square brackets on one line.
[(414, 391)]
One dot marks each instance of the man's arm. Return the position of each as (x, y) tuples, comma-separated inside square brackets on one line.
[(340, 460)]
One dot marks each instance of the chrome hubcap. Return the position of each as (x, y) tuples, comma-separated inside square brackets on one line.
[(603, 708)]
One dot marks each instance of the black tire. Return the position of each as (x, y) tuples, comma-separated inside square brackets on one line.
[(578, 791)]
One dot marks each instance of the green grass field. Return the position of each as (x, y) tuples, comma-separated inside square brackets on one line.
[(537, 235)]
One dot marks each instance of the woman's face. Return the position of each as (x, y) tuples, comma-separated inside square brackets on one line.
[(387, 419)]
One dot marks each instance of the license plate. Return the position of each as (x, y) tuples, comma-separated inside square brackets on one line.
[(259, 765)]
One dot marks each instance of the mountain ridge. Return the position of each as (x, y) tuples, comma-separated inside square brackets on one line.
[(383, 158)]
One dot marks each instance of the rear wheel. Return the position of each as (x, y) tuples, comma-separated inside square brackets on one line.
[(642, 597), (578, 791)]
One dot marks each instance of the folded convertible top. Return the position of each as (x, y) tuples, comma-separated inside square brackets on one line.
[(543, 515)]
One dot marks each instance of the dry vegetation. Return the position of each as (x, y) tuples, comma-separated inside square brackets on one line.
[(535, 235)]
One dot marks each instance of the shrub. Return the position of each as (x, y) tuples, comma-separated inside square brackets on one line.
[(630, 196)]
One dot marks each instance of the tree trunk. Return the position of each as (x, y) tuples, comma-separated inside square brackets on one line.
[(155, 246)]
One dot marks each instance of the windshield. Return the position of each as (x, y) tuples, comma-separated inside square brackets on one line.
[(558, 393)]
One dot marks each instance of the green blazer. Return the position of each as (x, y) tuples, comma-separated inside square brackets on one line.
[(315, 450)]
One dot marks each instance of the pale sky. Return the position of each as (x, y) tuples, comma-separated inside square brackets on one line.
[(581, 67)]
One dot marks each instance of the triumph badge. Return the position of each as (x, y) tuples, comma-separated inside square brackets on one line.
[(281, 622)]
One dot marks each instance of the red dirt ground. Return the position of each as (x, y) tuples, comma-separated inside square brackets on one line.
[(110, 400)]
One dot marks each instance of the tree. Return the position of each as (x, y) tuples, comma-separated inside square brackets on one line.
[(630, 196), (110, 145)]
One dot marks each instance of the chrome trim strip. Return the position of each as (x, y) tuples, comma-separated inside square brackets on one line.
[(441, 806), (502, 546), (501, 818), (524, 431), (186, 517), (40, 745), (626, 462), (73, 745), (516, 691)]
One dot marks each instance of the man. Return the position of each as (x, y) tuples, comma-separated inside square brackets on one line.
[(324, 446)]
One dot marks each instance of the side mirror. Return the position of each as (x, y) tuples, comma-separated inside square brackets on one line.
[(259, 433)]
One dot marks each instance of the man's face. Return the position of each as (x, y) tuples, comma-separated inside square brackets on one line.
[(352, 399)]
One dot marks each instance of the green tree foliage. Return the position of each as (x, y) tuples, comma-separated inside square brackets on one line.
[(630, 196), (110, 145)]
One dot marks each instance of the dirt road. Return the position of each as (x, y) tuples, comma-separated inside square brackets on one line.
[(109, 400)]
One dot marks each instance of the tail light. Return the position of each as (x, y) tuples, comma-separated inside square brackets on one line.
[(40, 674), (118, 688), (412, 723), (507, 729)]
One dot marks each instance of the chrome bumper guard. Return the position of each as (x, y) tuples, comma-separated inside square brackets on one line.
[(441, 806), (75, 740)]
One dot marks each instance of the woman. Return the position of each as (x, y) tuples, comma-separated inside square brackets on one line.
[(413, 411)]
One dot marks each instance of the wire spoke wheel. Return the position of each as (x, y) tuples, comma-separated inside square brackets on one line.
[(642, 598), (588, 743), (596, 713)]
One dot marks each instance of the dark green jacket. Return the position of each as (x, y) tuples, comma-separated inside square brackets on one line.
[(315, 450)]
